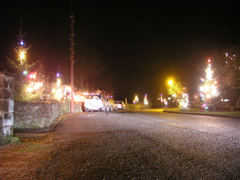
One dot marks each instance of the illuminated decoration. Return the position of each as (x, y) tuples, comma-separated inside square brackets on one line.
[(32, 76), (225, 100), (61, 92), (58, 90), (165, 102), (209, 88), (161, 98), (34, 85), (67, 92), (80, 96), (22, 56), (25, 73), (58, 93), (59, 82), (136, 100), (183, 102), (77, 98), (85, 93), (145, 101), (21, 43)]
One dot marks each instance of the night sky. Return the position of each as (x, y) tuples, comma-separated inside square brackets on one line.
[(141, 42)]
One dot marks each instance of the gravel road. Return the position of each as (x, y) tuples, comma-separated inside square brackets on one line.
[(129, 145)]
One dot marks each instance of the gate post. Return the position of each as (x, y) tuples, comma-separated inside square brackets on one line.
[(7, 84)]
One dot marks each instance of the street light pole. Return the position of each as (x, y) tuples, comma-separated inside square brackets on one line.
[(72, 66)]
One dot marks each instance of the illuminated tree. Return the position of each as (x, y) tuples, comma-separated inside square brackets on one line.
[(145, 100), (176, 89), (208, 91), (135, 100), (19, 68), (178, 92)]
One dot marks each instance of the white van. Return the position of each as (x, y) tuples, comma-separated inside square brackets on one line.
[(95, 102)]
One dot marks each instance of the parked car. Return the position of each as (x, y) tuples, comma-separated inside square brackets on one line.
[(120, 105), (95, 102)]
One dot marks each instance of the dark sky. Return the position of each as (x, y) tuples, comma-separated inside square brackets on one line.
[(142, 42)]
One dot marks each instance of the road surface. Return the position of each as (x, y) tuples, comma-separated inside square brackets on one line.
[(137, 145)]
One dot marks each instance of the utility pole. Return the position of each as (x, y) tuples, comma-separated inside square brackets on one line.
[(72, 62)]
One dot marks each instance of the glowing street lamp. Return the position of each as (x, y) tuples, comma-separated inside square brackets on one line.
[(170, 82)]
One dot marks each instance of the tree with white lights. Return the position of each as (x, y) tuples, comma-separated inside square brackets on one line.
[(135, 100), (145, 100), (208, 90), (20, 68)]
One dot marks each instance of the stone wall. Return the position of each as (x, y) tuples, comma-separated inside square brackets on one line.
[(40, 115), (6, 107)]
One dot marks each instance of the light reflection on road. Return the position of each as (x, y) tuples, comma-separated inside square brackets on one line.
[(156, 109)]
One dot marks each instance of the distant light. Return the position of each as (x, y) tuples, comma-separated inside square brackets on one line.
[(85, 93), (58, 74), (170, 82), (32, 76), (29, 89), (21, 43), (136, 100), (209, 61), (22, 55), (208, 96), (165, 102), (25, 73), (145, 101), (58, 82)]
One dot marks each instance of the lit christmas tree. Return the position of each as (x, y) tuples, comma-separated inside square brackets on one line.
[(136, 100), (20, 68), (145, 100), (209, 89)]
